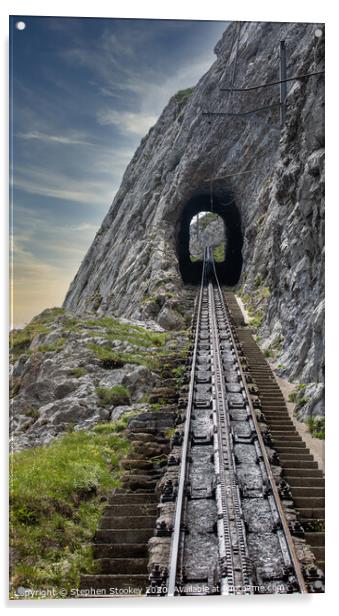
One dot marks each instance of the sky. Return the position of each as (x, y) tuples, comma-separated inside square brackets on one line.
[(83, 94)]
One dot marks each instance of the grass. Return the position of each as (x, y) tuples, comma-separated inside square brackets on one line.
[(258, 280), (20, 339), (257, 319), (182, 96), (219, 253), (116, 359), (78, 372), (52, 347), (316, 426), (55, 505), (292, 397), (134, 334), (113, 396)]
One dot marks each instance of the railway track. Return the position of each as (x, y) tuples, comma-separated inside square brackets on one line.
[(228, 511), (220, 527)]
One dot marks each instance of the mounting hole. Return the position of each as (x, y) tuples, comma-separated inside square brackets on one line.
[(20, 25), (318, 33)]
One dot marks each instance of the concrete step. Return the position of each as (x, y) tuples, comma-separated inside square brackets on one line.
[(123, 565), (131, 522), (111, 584), (316, 539), (116, 535), (120, 550)]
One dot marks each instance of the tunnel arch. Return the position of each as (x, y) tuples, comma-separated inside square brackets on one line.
[(224, 205)]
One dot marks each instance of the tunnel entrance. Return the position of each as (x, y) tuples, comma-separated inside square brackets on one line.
[(225, 215)]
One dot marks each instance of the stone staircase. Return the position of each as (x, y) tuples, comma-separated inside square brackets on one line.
[(300, 471)]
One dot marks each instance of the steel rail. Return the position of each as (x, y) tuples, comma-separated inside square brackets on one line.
[(282, 516), (174, 550), (272, 83)]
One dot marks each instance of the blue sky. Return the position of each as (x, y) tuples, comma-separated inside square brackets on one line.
[(84, 92)]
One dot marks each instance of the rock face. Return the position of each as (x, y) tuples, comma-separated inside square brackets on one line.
[(266, 183), (208, 231), (80, 372)]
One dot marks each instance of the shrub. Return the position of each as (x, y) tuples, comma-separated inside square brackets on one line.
[(316, 426)]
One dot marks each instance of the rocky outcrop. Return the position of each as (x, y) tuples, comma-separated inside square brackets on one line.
[(78, 372), (208, 231)]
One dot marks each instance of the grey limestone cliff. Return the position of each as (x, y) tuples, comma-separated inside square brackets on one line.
[(265, 182)]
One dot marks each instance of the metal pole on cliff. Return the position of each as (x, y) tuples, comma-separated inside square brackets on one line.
[(283, 85)]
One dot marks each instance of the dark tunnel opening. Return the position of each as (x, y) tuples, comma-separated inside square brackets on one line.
[(229, 270)]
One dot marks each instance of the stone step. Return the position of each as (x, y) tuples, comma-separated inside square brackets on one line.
[(151, 474), (129, 522), (136, 463), (305, 482), (298, 456), (303, 472), (120, 550), (307, 502), (131, 509), (123, 565), (299, 464), (316, 539), (281, 421), (139, 482), (111, 584), (121, 499), (318, 552), (311, 513), (303, 491), (282, 429), (280, 437), (126, 535), (283, 448)]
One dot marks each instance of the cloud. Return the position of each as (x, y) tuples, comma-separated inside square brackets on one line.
[(76, 128), (46, 138), (45, 182), (127, 121), (41, 280)]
